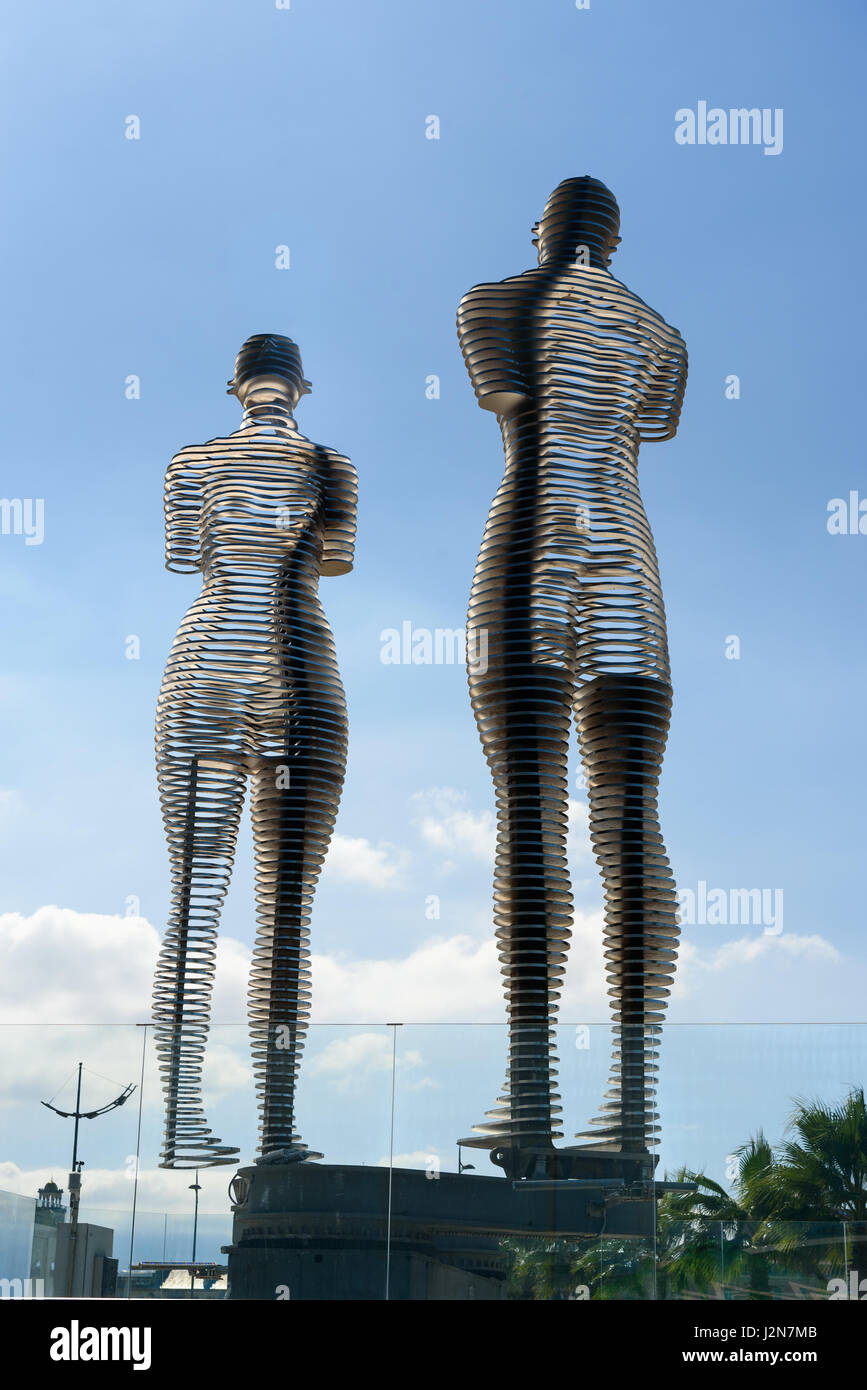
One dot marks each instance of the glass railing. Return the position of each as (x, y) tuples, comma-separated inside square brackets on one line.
[(397, 1207)]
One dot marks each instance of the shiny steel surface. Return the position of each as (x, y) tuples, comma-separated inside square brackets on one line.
[(251, 692), (579, 372)]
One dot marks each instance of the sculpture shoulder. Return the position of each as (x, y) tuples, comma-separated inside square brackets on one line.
[(335, 469), (495, 300), (488, 317), (340, 514), (243, 442), (184, 478), (339, 462), (188, 457), (667, 339), (196, 457), (676, 341)]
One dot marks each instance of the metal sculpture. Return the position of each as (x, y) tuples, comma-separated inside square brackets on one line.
[(251, 689), (567, 600)]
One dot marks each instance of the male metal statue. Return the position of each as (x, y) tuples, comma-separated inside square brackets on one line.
[(251, 689), (579, 372)]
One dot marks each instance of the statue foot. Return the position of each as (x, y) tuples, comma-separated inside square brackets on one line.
[(292, 1155)]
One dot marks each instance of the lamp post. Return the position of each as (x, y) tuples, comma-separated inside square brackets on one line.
[(195, 1187), (78, 1163), (74, 1192), (464, 1167)]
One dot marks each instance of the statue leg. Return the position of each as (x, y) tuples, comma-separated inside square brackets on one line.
[(622, 728), (523, 712), (295, 799), (201, 798)]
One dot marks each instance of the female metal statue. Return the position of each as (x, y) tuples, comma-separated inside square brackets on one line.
[(579, 372), (251, 689)]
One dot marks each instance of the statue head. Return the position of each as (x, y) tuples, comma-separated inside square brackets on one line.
[(269, 366), (580, 213)]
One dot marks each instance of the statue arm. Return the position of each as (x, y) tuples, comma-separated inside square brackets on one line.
[(660, 414), (486, 324), (341, 514), (182, 500)]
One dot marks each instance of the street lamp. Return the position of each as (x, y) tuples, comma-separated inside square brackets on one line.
[(464, 1167), (195, 1187), (78, 1163)]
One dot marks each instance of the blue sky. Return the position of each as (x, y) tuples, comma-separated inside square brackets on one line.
[(156, 257)]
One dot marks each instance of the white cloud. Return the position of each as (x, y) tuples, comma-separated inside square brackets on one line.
[(79, 982), (225, 1069), (62, 966), (344, 1061), (110, 1190), (429, 1159), (454, 979), (361, 1052), (356, 860), (578, 847), (11, 806), (68, 967), (749, 949), (765, 978), (65, 971), (446, 823), (444, 978)]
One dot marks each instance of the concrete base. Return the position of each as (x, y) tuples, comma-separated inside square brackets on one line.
[(321, 1231)]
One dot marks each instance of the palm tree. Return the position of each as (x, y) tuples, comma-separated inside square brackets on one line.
[(559, 1268), (612, 1268), (821, 1173), (818, 1181), (790, 1202), (542, 1268), (707, 1235), (787, 1207)]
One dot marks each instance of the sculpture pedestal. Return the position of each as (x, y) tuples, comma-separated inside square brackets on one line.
[(322, 1231)]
